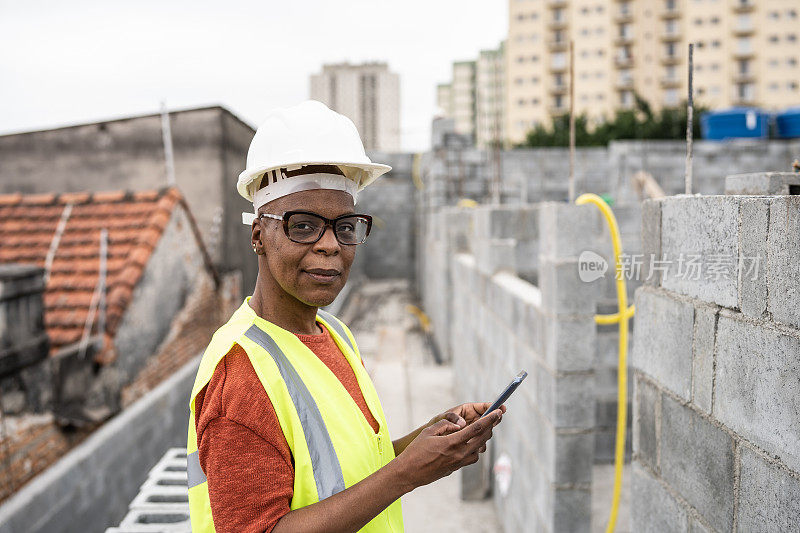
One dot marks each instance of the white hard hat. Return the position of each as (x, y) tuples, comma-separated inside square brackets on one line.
[(307, 134)]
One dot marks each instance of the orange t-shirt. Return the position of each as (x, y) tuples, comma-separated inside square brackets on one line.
[(241, 446)]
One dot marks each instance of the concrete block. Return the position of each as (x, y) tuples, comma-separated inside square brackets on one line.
[(757, 394), (705, 325), (763, 183), (567, 400), (700, 239), (572, 511), (569, 342), (663, 340), (653, 508), (563, 292), (695, 526), (783, 277), (646, 422), (754, 216), (566, 230), (697, 460), (495, 255), (651, 240), (769, 496), (574, 458)]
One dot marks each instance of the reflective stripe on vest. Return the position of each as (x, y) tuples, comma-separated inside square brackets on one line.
[(193, 470), (327, 471), (337, 326)]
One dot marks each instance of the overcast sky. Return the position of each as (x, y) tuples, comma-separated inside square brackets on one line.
[(65, 63)]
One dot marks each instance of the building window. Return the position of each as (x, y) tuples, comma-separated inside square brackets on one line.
[(671, 97), (791, 37), (792, 62), (773, 38), (626, 98), (773, 87), (714, 20), (774, 15), (792, 85), (715, 44)]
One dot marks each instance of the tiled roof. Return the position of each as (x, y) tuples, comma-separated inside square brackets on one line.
[(135, 222)]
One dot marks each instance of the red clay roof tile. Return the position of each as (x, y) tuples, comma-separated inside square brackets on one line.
[(135, 222)]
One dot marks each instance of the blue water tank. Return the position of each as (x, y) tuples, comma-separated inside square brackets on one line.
[(735, 122), (788, 123)]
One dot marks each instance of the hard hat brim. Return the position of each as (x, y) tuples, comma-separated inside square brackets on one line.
[(374, 171)]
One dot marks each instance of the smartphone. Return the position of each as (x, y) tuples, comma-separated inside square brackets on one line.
[(506, 393)]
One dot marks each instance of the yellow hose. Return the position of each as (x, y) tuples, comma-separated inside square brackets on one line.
[(621, 317)]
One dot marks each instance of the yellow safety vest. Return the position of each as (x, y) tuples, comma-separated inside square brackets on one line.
[(332, 444)]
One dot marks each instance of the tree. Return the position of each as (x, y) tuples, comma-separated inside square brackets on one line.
[(637, 123)]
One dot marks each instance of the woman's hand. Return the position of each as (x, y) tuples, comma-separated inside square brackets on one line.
[(444, 447), (466, 412)]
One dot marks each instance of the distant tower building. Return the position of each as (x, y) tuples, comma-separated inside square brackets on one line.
[(444, 99), (369, 95), (490, 98), (462, 93), (474, 98)]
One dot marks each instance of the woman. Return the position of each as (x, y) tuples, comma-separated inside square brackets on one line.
[(286, 431)]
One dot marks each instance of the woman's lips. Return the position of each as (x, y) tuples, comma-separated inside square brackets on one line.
[(323, 275)]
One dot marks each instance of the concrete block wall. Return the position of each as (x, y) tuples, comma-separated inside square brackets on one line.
[(498, 323), (716, 436)]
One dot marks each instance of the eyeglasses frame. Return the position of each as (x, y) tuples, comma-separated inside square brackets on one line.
[(328, 222)]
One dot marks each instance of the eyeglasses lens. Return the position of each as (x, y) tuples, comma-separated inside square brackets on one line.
[(305, 228)]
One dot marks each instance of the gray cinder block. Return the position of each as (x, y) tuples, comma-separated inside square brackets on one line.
[(704, 231), (646, 422), (769, 496), (762, 183), (753, 255), (783, 281), (651, 241), (705, 324), (697, 460), (663, 340), (653, 508), (757, 392)]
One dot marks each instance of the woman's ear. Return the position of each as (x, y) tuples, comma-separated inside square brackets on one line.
[(256, 237)]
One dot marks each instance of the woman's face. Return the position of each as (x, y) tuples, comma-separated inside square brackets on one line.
[(311, 273)]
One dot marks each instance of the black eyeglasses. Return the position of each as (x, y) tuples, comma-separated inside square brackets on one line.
[(305, 227)]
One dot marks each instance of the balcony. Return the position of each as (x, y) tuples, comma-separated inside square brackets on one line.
[(555, 4), (670, 82), (673, 13), (744, 77), (557, 110), (623, 62), (670, 59), (559, 88), (557, 24), (744, 6), (558, 67), (621, 40), (624, 84), (623, 17), (673, 35), (743, 53), (558, 45), (744, 29)]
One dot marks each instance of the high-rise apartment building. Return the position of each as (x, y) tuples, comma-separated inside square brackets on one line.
[(746, 53), (490, 97), (368, 94), (462, 94), (475, 97)]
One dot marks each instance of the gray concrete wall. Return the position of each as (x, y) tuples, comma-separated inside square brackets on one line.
[(90, 488), (716, 410), (492, 322), (540, 174), (390, 249)]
